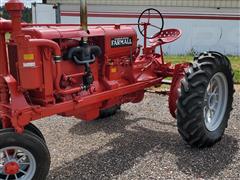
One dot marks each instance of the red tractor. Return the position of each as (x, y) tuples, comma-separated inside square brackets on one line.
[(88, 71)]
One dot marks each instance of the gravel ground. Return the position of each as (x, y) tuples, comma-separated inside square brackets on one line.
[(140, 142)]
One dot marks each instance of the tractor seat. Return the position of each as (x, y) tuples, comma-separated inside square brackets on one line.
[(166, 36)]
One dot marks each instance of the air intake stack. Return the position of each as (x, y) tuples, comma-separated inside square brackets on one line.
[(84, 16)]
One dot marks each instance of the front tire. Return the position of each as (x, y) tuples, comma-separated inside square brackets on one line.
[(24, 156), (32, 128), (205, 101)]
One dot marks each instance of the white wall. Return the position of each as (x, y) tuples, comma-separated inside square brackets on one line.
[(198, 34), (43, 13), (170, 3)]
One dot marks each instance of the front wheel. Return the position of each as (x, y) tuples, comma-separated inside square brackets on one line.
[(32, 128), (205, 101), (24, 156)]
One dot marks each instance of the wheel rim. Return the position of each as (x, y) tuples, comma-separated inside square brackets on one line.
[(16, 163), (216, 98)]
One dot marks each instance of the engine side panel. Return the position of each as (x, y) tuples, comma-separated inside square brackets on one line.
[(111, 70)]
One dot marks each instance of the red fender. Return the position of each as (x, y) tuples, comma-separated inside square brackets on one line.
[(178, 75)]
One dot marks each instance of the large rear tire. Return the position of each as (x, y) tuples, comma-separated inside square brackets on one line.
[(205, 101)]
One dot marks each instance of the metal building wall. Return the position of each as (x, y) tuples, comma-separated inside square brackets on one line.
[(203, 28), (171, 3)]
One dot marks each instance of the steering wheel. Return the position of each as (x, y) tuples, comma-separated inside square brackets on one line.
[(144, 21)]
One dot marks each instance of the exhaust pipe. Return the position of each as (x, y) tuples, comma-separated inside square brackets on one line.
[(84, 16)]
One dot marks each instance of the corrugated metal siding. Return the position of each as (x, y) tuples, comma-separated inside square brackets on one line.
[(171, 3)]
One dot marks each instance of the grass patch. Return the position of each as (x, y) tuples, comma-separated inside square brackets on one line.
[(235, 61)]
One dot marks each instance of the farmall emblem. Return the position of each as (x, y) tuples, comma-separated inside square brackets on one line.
[(121, 42)]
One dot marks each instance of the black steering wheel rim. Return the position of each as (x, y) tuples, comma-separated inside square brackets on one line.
[(140, 24)]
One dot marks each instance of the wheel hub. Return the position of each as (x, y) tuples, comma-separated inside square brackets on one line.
[(16, 163), (212, 101), (11, 168), (215, 101)]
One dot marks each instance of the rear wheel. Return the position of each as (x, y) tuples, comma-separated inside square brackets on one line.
[(23, 156), (205, 101)]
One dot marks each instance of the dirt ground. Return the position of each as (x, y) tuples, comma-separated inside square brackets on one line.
[(237, 88), (140, 142)]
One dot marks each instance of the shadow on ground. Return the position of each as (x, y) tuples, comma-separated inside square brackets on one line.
[(123, 152)]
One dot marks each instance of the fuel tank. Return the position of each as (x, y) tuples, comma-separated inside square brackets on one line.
[(120, 41)]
